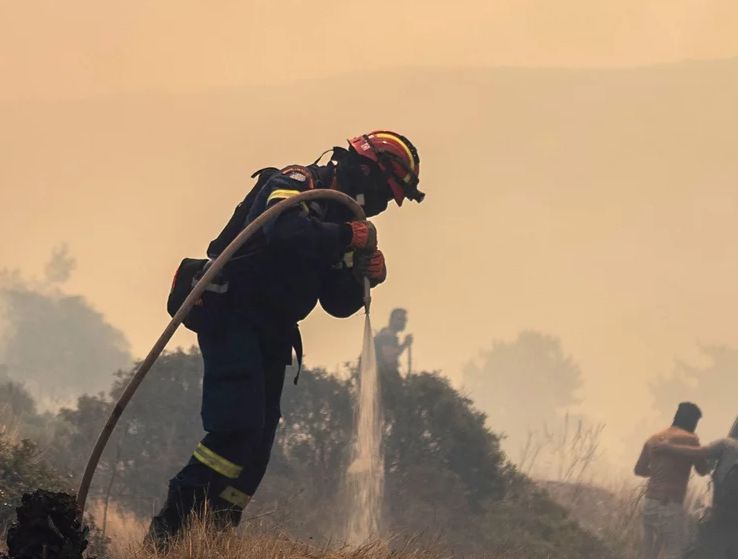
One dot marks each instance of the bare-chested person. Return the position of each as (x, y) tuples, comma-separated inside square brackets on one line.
[(668, 476), (718, 534)]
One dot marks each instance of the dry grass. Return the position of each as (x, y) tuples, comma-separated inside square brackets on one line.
[(612, 514), (125, 532), (123, 528), (566, 454), (201, 542)]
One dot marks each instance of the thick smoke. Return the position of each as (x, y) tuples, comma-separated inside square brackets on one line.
[(56, 344), (527, 387), (712, 385)]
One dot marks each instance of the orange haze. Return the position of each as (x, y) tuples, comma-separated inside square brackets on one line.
[(594, 204)]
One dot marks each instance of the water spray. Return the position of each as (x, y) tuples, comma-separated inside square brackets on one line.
[(365, 474)]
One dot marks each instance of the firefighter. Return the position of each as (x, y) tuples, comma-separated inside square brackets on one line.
[(312, 253)]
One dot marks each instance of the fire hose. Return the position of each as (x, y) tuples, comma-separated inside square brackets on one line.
[(194, 296)]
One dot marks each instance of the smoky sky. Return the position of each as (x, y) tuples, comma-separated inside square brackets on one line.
[(83, 48), (579, 161)]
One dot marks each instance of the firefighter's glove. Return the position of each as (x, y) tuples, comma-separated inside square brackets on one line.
[(363, 236), (371, 265)]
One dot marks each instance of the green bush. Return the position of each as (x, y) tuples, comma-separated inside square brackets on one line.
[(21, 471), (446, 477)]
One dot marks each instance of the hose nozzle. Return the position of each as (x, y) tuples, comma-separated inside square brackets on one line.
[(367, 295)]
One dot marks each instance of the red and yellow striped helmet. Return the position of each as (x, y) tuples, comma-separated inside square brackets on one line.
[(396, 157)]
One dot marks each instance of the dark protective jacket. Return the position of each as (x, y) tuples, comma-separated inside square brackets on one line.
[(295, 261)]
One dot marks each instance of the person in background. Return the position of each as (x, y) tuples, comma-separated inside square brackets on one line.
[(718, 534), (387, 342), (668, 476)]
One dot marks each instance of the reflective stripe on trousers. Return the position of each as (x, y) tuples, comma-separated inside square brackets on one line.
[(216, 462)]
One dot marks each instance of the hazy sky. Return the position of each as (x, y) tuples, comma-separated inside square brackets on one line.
[(51, 49), (597, 207)]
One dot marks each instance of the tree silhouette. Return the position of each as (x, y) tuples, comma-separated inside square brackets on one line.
[(523, 385), (56, 343), (446, 475), (708, 385)]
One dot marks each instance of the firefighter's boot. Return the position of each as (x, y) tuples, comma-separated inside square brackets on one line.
[(177, 511), (227, 507)]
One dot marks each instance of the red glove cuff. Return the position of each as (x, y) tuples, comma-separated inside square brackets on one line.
[(363, 235), (376, 268)]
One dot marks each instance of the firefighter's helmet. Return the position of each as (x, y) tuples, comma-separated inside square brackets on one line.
[(396, 157)]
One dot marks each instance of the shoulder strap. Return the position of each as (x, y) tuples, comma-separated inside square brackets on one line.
[(240, 215)]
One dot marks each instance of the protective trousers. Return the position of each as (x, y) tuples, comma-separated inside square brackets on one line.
[(244, 368)]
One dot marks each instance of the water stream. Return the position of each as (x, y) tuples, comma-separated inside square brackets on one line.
[(365, 475)]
